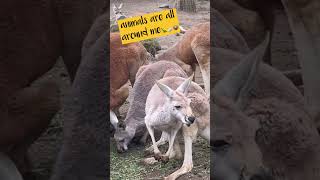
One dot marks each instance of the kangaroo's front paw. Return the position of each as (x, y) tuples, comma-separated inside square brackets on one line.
[(164, 159)]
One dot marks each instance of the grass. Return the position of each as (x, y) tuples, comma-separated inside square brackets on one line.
[(128, 166)]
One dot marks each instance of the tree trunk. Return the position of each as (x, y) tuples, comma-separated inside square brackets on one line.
[(186, 5)]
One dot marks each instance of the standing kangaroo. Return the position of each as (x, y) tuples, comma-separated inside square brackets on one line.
[(192, 49), (145, 79), (167, 110), (200, 109), (125, 60), (194, 46)]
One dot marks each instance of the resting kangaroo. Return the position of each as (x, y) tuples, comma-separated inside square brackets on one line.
[(200, 109)]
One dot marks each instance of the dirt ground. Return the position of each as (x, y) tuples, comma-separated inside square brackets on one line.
[(128, 166)]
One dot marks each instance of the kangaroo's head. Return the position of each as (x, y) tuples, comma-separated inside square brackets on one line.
[(123, 136), (178, 102), (236, 153), (118, 12)]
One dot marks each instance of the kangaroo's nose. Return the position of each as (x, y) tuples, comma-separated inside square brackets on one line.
[(191, 119)]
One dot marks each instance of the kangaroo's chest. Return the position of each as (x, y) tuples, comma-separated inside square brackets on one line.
[(163, 121)]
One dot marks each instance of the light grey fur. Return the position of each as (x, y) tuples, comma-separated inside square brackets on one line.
[(145, 79), (201, 111), (168, 109)]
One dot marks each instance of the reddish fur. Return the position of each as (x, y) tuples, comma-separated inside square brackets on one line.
[(183, 49), (125, 63), (33, 35)]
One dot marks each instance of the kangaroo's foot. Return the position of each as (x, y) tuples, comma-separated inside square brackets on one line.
[(183, 170), (161, 158), (158, 156), (149, 161)]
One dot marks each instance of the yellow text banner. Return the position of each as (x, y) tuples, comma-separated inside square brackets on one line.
[(149, 26)]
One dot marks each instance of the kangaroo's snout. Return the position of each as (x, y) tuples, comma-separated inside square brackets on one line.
[(191, 119), (122, 146)]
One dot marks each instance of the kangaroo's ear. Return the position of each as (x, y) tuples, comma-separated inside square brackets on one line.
[(114, 8), (238, 82), (120, 6), (183, 88), (165, 89)]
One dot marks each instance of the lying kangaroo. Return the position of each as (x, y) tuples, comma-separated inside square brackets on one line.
[(145, 79), (167, 110), (200, 109), (125, 60)]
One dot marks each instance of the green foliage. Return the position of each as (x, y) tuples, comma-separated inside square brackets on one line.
[(126, 166), (152, 46)]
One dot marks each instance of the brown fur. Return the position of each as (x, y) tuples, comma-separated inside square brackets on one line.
[(192, 49), (33, 35), (182, 52), (125, 61)]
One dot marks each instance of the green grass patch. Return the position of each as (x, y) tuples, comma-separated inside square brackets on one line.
[(126, 166)]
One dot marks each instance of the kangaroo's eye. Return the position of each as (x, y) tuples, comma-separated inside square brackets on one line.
[(177, 107)]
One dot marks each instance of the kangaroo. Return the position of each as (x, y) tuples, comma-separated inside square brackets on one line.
[(304, 20), (192, 49), (176, 114), (118, 12), (125, 60), (262, 127), (145, 79), (167, 111), (33, 38), (225, 166), (194, 46)]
